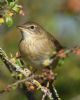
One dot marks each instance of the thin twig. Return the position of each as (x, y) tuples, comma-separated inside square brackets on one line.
[(54, 92)]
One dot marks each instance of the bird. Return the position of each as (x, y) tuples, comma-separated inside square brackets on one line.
[(38, 47)]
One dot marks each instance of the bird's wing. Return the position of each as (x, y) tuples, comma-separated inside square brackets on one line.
[(58, 46)]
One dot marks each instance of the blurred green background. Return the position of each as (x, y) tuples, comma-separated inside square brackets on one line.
[(62, 19)]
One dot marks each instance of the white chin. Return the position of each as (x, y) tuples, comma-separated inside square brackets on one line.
[(27, 34)]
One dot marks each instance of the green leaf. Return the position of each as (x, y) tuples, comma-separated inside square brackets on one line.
[(16, 8), (11, 0), (12, 4), (14, 87), (61, 62), (18, 62), (9, 21)]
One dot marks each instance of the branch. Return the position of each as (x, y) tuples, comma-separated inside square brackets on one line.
[(30, 79), (32, 82)]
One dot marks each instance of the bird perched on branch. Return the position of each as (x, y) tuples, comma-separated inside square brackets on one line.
[(37, 46)]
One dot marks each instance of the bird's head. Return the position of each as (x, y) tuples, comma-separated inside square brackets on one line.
[(31, 29)]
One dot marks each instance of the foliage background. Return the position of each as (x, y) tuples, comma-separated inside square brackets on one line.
[(61, 18)]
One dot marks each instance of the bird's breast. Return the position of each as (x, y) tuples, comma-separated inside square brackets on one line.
[(35, 50)]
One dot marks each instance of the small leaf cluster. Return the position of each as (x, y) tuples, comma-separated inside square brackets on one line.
[(9, 8)]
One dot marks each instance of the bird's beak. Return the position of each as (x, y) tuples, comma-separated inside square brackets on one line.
[(20, 27)]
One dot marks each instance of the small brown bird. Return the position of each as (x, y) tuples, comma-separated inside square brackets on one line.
[(37, 46)]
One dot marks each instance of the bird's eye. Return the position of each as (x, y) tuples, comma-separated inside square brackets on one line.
[(32, 27)]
